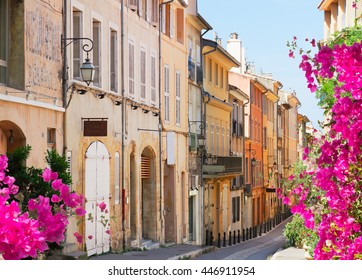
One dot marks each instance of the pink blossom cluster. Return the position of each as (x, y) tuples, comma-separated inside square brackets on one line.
[(25, 234), (336, 175)]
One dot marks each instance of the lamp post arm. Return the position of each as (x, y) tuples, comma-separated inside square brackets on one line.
[(87, 47)]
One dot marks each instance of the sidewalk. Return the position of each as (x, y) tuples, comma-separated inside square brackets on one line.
[(175, 252), (290, 253)]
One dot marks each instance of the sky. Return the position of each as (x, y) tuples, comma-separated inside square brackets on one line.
[(265, 27)]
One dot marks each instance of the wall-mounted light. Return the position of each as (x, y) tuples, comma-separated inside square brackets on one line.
[(117, 102), (11, 137), (100, 95), (134, 106), (156, 114), (145, 111), (81, 91), (87, 69)]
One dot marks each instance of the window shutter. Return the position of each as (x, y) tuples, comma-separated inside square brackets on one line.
[(143, 74), (172, 23), (153, 78), (133, 5), (131, 69)]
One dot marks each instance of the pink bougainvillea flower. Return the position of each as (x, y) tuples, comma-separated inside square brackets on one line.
[(48, 175), (102, 206), (90, 237), (80, 211), (108, 231), (78, 237), (55, 198)]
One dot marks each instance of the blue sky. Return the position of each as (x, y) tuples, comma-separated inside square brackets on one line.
[(264, 27)]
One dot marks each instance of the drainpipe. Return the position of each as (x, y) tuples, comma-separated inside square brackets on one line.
[(160, 126), (203, 239), (123, 122), (64, 78), (203, 93)]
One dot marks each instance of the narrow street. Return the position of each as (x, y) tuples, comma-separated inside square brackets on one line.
[(255, 249)]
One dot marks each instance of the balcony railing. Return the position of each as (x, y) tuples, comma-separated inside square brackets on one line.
[(222, 165)]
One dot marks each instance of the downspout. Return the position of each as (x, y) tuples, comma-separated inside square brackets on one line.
[(123, 122), (204, 127), (204, 120), (64, 78), (160, 126)]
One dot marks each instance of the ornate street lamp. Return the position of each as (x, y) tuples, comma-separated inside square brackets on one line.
[(87, 69)]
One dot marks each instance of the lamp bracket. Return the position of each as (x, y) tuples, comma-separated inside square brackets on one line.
[(87, 47)]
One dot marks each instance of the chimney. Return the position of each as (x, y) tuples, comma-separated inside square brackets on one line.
[(235, 48)]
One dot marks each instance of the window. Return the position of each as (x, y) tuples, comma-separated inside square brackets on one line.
[(223, 141), (51, 138), (222, 77), (77, 46), (264, 138), (143, 73), (153, 78), (3, 40), (166, 70), (247, 171), (172, 23), (178, 97), (154, 12), (131, 68), (216, 74), (167, 20), (133, 4), (114, 61), (143, 9), (210, 70), (180, 26), (212, 127), (97, 52), (217, 145), (236, 209)]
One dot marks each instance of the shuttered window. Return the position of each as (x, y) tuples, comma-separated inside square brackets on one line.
[(145, 167), (178, 98), (167, 93), (77, 45), (143, 74), (131, 68), (153, 78)]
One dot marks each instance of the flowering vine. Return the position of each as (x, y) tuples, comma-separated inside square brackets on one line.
[(331, 203)]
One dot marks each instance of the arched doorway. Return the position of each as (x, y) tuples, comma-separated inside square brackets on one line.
[(11, 137), (96, 191), (149, 200)]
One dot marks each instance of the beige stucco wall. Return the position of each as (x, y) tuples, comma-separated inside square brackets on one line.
[(32, 102)]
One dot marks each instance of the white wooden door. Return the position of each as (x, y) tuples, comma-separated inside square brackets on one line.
[(97, 191)]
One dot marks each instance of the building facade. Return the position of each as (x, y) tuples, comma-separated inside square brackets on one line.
[(339, 14), (195, 25), (219, 167), (31, 100)]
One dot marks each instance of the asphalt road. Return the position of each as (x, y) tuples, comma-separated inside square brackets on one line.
[(259, 248)]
